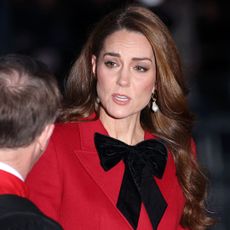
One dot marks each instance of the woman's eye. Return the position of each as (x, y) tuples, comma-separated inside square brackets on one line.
[(110, 64), (140, 68)]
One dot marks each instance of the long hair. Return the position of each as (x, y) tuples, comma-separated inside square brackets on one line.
[(173, 122)]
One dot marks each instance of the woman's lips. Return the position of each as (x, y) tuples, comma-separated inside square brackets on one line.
[(120, 99)]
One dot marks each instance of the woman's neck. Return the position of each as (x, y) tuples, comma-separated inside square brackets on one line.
[(128, 129)]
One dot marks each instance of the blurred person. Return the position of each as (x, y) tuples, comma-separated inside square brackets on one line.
[(123, 157), (29, 103)]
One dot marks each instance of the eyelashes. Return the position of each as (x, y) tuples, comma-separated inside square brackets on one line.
[(138, 68), (141, 68), (110, 64)]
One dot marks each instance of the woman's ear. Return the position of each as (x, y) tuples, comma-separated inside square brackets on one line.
[(154, 87), (94, 63)]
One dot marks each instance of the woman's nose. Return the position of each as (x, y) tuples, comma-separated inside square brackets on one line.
[(123, 77)]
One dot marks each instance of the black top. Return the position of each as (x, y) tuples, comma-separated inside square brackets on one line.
[(18, 213)]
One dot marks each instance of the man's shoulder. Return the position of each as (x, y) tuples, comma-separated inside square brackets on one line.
[(20, 213)]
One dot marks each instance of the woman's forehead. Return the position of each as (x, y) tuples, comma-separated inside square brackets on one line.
[(124, 42)]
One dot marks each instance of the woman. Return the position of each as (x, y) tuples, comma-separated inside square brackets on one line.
[(107, 166)]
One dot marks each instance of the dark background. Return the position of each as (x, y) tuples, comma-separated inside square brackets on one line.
[(55, 30)]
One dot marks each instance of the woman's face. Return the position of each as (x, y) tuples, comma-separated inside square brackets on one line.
[(126, 74)]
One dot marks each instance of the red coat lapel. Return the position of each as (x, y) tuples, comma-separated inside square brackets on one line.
[(89, 159)]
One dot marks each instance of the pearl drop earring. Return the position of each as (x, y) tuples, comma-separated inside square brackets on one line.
[(155, 107)]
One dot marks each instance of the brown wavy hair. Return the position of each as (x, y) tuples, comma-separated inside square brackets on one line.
[(173, 122)]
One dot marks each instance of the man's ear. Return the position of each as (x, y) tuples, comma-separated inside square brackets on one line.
[(94, 64), (44, 137)]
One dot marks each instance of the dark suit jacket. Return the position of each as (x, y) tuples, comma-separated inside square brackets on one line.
[(79, 194), (18, 213)]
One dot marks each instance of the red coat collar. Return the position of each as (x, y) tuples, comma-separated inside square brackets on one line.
[(87, 133), (10, 184)]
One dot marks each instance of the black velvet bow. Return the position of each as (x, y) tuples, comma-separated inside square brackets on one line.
[(142, 161)]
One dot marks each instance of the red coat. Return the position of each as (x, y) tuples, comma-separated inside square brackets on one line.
[(69, 184)]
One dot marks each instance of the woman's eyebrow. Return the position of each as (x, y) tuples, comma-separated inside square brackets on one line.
[(113, 54), (142, 59)]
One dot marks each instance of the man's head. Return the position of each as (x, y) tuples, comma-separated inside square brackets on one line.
[(29, 100)]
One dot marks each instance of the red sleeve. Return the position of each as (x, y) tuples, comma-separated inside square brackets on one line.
[(44, 182)]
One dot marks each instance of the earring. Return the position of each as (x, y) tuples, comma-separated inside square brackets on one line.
[(155, 107), (98, 100)]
